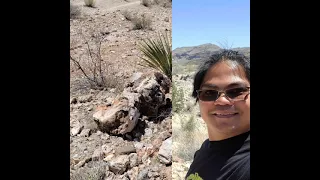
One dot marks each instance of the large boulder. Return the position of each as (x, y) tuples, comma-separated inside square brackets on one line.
[(117, 119), (145, 94)]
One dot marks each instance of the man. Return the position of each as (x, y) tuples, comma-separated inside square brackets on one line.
[(222, 88)]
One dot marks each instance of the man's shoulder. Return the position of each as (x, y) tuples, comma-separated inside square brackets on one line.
[(203, 146), (238, 166)]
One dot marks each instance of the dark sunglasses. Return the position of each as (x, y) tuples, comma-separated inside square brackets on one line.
[(234, 94)]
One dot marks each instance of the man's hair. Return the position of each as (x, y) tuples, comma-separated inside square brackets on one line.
[(234, 57)]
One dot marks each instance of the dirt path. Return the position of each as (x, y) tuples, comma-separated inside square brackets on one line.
[(135, 3), (108, 5)]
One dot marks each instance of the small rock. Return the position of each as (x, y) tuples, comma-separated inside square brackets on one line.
[(133, 157), (73, 100), (119, 164), (106, 149), (112, 90), (109, 157), (164, 135), (148, 132), (75, 159), (133, 173), (128, 137), (75, 130), (85, 133), (138, 145), (97, 155), (153, 174), (99, 133), (109, 100), (105, 136), (138, 135), (145, 159), (126, 149), (143, 174), (80, 164), (157, 143), (124, 176), (165, 153), (109, 175), (86, 98)]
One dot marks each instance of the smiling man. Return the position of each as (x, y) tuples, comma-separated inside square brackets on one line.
[(222, 89)]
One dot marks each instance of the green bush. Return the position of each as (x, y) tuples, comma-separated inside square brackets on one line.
[(177, 99)]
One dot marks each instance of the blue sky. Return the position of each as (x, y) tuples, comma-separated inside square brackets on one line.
[(220, 22)]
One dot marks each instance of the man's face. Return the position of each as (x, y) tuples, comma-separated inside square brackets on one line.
[(224, 117)]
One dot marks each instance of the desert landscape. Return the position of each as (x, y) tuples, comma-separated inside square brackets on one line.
[(120, 109)]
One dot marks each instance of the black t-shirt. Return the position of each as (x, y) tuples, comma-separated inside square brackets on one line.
[(228, 159)]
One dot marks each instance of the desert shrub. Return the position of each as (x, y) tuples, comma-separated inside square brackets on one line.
[(95, 172), (74, 11), (177, 98), (127, 15), (167, 4), (141, 22), (163, 3), (146, 3), (189, 125), (90, 3), (99, 74), (157, 1)]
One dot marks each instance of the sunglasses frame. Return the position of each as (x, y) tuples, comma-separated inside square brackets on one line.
[(225, 94)]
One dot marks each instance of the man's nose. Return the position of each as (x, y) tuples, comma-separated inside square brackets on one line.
[(222, 99)]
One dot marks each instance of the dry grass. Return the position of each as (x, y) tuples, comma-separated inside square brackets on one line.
[(187, 129)]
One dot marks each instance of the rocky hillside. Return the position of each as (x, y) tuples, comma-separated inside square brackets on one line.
[(186, 59), (195, 53)]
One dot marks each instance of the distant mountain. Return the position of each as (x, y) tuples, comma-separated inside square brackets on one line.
[(195, 54)]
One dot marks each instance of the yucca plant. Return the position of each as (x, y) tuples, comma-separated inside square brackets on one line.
[(158, 54)]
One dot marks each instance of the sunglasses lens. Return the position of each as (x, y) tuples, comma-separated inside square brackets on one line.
[(236, 93), (208, 95)]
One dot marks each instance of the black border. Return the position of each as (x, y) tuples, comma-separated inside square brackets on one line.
[(37, 84), (36, 129), (284, 69)]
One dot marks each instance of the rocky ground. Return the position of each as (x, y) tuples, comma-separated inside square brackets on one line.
[(108, 143), (123, 130)]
